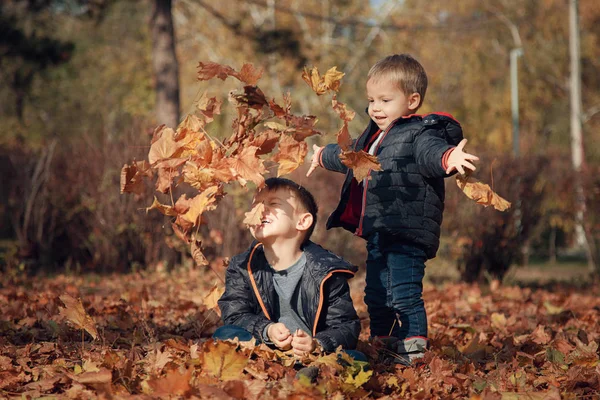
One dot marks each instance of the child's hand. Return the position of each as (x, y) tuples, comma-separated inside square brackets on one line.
[(280, 336), (314, 162), (459, 160), (302, 343)]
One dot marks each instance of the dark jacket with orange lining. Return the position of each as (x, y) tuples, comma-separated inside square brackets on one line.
[(405, 201), (250, 299)]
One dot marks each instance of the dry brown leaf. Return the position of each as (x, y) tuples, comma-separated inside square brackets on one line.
[(163, 208), (173, 383), (254, 216), (131, 179), (211, 70), (481, 192), (208, 107), (360, 162), (205, 201), (343, 137), (249, 74), (322, 84), (212, 298), (249, 167), (164, 147), (341, 110), (75, 314), (290, 156), (221, 360), (197, 255), (266, 141)]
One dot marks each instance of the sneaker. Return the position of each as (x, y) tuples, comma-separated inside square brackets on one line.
[(406, 351)]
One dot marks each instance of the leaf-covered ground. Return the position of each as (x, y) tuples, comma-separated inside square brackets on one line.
[(153, 333)]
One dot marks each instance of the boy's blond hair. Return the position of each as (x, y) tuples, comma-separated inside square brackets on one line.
[(404, 71)]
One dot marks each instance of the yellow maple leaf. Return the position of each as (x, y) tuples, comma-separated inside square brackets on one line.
[(360, 378), (360, 162), (221, 360), (75, 314), (481, 192)]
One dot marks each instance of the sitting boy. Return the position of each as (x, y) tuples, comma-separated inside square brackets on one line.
[(285, 290)]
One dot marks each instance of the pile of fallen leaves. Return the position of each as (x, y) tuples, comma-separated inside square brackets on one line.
[(148, 335)]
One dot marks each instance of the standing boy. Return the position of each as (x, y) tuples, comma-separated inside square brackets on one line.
[(285, 290), (398, 210)]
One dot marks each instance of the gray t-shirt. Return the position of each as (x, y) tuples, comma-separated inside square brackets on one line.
[(286, 285)]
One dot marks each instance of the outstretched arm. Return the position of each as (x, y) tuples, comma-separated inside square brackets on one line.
[(459, 160)]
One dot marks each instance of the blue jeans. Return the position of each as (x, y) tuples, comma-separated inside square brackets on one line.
[(394, 291), (226, 332)]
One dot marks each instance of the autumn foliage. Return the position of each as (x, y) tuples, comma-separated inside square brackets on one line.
[(153, 341)]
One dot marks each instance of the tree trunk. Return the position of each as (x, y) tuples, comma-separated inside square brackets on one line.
[(166, 68)]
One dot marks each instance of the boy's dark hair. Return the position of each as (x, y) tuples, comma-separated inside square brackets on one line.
[(306, 199), (404, 71)]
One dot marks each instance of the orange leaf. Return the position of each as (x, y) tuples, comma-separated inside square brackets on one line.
[(266, 141), (210, 70), (163, 208), (481, 193), (340, 109), (212, 298), (279, 111), (131, 179), (208, 107), (360, 162), (220, 359), (199, 178), (343, 137), (253, 97), (248, 167), (75, 314), (321, 85), (203, 202), (173, 383), (254, 216), (164, 147), (302, 127), (249, 74), (291, 154), (197, 255)]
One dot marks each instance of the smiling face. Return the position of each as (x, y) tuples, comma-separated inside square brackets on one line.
[(387, 102), (283, 217)]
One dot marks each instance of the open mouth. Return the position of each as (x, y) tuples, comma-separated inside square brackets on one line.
[(265, 222)]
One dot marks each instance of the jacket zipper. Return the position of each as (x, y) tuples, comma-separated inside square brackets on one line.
[(253, 282), (321, 290), (358, 231)]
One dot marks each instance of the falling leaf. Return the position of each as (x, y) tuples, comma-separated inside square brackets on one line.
[(481, 192), (157, 205), (249, 167), (208, 107), (290, 156), (221, 360), (131, 179), (302, 127), (360, 162), (197, 255), (75, 314), (249, 74), (266, 141), (322, 84), (343, 137), (164, 147), (211, 299), (211, 70), (205, 201), (341, 110), (254, 216)]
